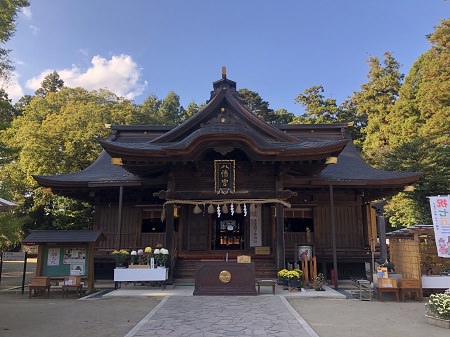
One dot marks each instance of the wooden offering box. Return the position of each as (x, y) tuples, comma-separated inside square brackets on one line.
[(40, 285), (412, 288), (225, 278), (387, 283)]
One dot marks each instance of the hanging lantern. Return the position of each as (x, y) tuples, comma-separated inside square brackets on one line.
[(252, 208), (232, 209), (225, 209), (245, 210), (197, 209), (210, 209), (239, 209)]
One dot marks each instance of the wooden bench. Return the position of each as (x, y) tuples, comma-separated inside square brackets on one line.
[(272, 283), (72, 284), (395, 291), (39, 289), (77, 288)]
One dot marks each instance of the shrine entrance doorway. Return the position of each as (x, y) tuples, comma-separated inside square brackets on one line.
[(228, 232)]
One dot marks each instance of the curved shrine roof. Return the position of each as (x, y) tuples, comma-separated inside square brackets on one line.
[(224, 124)]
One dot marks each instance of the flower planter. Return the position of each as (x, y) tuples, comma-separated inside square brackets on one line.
[(293, 284), (284, 282), (443, 323)]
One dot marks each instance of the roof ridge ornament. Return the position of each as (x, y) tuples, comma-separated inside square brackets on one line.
[(223, 84)]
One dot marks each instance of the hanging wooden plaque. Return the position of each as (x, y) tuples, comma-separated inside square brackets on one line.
[(224, 175)]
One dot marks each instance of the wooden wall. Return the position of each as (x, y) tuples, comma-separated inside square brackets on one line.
[(349, 228), (106, 220)]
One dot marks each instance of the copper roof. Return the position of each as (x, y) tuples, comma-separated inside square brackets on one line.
[(63, 236)]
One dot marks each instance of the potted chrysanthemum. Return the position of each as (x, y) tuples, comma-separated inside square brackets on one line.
[(282, 277), (148, 254), (318, 282), (438, 309), (161, 256), (122, 257), (134, 257), (293, 277)]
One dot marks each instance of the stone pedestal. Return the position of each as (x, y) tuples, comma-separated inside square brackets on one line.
[(225, 278)]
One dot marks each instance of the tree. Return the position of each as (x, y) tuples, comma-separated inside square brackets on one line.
[(57, 134), (419, 128), (8, 14), (282, 116), (318, 110), (421, 155), (170, 109), (7, 114), (374, 103), (191, 110), (256, 105), (22, 103), (7, 111), (148, 112), (51, 83), (11, 232)]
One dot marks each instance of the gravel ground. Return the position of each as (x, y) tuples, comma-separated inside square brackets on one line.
[(21, 316)]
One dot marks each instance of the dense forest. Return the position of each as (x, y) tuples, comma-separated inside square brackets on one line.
[(399, 122)]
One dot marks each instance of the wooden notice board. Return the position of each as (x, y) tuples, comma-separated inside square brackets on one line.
[(64, 261)]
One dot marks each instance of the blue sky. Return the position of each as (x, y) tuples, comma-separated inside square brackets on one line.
[(276, 48)]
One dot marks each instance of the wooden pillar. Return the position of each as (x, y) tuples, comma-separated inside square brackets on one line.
[(40, 260), (280, 236), (119, 219), (90, 267), (333, 236), (169, 244)]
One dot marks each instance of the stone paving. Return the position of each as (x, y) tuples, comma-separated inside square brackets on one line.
[(214, 316)]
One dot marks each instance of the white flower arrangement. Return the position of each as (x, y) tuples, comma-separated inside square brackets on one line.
[(439, 305), (161, 256)]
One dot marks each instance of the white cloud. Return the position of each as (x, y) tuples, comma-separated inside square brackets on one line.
[(83, 51), (120, 75), (34, 29), (13, 88), (27, 12)]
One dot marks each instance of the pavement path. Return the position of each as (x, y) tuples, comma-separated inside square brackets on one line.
[(223, 316)]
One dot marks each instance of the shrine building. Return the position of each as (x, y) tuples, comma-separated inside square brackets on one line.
[(225, 183)]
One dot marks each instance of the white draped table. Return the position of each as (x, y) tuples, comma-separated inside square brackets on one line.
[(141, 275), (435, 282)]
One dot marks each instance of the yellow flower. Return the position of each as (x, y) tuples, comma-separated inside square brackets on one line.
[(283, 273), (148, 250), (120, 252)]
